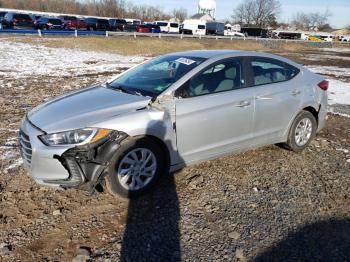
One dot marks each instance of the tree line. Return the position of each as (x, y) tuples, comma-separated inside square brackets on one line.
[(105, 8), (264, 13)]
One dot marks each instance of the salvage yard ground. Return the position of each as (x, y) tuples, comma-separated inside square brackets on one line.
[(260, 205)]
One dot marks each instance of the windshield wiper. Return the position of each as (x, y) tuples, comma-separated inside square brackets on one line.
[(121, 88)]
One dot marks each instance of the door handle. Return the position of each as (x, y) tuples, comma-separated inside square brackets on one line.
[(263, 98), (243, 104), (296, 92)]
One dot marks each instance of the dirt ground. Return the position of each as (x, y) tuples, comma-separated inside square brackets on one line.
[(268, 204)]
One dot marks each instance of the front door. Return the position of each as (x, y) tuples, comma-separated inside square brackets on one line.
[(214, 112)]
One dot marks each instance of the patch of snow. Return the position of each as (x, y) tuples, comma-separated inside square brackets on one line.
[(330, 70), (342, 150), (318, 57), (338, 114), (21, 60), (336, 50), (18, 162), (8, 155), (338, 92)]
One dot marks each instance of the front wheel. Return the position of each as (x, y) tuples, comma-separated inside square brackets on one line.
[(135, 168), (302, 131)]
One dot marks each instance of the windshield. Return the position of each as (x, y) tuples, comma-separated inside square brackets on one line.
[(155, 76)]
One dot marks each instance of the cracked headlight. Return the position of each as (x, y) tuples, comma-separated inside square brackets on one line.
[(75, 137)]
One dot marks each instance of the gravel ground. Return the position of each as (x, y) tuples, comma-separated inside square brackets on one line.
[(266, 204)]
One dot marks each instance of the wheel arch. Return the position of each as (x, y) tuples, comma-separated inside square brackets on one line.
[(164, 148), (313, 111)]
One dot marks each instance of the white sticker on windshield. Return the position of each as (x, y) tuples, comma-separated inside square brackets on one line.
[(185, 61)]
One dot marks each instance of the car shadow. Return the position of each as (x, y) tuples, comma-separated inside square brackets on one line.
[(152, 228), (322, 241)]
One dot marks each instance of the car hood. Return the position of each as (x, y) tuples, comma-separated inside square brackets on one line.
[(84, 108)]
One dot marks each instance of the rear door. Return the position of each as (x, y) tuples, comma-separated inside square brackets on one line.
[(214, 112), (278, 93)]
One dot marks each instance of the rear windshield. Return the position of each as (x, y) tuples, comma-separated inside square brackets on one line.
[(22, 17), (121, 21), (162, 24)]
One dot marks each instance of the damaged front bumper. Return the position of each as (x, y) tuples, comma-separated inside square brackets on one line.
[(81, 167)]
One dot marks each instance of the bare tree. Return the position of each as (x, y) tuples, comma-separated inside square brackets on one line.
[(107, 8), (260, 13), (180, 14), (311, 21)]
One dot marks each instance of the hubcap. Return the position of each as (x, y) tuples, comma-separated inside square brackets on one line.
[(137, 168), (303, 132)]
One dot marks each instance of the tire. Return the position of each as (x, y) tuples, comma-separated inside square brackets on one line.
[(304, 118), (114, 183)]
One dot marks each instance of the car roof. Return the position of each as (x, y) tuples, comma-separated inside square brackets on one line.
[(208, 54)]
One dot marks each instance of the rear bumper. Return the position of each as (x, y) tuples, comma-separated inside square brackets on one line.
[(322, 117)]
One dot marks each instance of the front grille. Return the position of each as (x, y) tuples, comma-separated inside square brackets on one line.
[(26, 148)]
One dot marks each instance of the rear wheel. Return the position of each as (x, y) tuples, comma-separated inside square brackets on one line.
[(135, 168), (302, 131)]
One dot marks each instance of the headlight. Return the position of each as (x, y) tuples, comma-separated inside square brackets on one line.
[(75, 137)]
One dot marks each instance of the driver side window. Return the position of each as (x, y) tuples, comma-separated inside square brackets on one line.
[(223, 76)]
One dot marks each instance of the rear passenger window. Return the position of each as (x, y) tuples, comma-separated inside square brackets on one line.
[(268, 71)]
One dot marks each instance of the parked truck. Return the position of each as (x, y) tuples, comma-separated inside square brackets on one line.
[(193, 27), (215, 28)]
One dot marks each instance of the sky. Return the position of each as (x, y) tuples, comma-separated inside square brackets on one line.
[(340, 9)]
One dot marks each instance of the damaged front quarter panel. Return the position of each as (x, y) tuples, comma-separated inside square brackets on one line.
[(87, 164)]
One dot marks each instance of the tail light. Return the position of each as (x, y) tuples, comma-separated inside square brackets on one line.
[(324, 85)]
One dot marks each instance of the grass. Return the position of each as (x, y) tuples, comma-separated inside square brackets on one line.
[(154, 46)]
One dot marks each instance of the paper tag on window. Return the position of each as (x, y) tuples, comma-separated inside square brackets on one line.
[(185, 61)]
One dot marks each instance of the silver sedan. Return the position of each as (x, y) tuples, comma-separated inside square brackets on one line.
[(172, 111)]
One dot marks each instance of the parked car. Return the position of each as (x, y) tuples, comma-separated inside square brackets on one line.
[(326, 38), (344, 38), (163, 26), (315, 38), (154, 28), (131, 27), (2, 15), (13, 20), (172, 111), (168, 27), (97, 24), (118, 25), (133, 21), (233, 30), (48, 23), (73, 22), (143, 29)]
